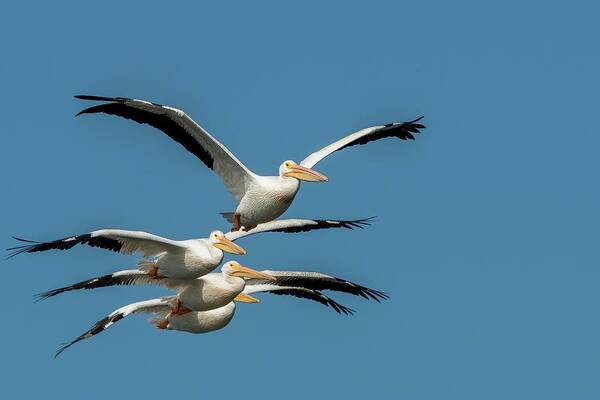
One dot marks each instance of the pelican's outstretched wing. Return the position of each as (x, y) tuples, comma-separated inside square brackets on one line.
[(318, 281), (117, 240), (300, 292), (401, 130), (300, 225), (148, 306), (184, 130), (120, 278)]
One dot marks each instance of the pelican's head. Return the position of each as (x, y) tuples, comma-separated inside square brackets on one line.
[(235, 269), (218, 240), (292, 170)]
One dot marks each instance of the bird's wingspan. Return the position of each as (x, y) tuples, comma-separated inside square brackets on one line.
[(300, 225), (318, 281), (299, 292), (148, 306), (184, 130), (117, 240), (401, 130)]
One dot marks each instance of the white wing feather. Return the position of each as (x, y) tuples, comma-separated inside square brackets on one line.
[(401, 130), (318, 155), (235, 175), (299, 225), (183, 129), (144, 243), (162, 306)]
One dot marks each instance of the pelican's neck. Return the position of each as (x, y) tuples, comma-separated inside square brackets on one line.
[(289, 183), (233, 280), (215, 252)]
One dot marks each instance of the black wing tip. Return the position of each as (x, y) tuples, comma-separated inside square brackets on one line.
[(93, 110), (363, 291), (100, 107), (63, 346), (85, 111), (24, 240), (345, 310), (373, 294), (329, 302), (15, 250), (100, 98), (413, 124), (90, 97), (93, 283), (67, 243), (359, 223), (405, 130), (46, 295), (339, 308), (347, 224), (97, 328)]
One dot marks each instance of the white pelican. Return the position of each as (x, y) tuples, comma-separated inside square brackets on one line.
[(260, 198), (180, 259), (217, 289), (210, 291), (193, 322)]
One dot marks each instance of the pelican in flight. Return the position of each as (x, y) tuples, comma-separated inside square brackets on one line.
[(193, 322), (233, 282), (260, 198), (179, 259), (210, 291)]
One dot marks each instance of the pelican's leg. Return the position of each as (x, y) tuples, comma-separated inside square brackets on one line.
[(162, 324), (237, 223), (249, 227), (153, 271), (179, 309)]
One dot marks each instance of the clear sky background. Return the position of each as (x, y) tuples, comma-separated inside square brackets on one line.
[(487, 231)]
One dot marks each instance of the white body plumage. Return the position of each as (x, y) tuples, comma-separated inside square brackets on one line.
[(211, 291), (195, 258), (203, 321), (266, 199)]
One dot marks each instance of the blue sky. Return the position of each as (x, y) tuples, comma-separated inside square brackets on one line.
[(487, 226)]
